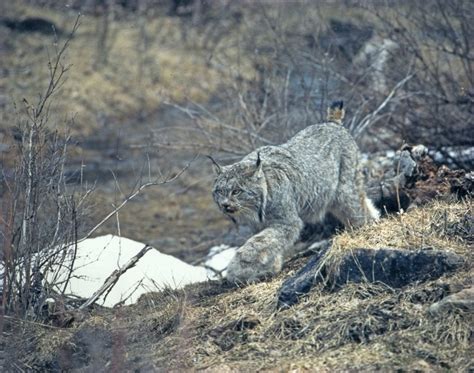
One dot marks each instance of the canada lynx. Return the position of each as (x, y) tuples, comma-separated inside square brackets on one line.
[(276, 189)]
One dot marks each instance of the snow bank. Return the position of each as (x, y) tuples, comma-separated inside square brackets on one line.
[(98, 257)]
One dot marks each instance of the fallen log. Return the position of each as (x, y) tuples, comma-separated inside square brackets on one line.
[(392, 267)]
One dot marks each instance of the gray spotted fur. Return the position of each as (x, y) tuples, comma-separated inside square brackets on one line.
[(276, 189)]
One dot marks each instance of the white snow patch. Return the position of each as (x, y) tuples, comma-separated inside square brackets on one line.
[(219, 258), (98, 257)]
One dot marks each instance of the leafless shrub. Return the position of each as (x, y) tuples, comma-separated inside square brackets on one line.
[(43, 217), (41, 213), (438, 37)]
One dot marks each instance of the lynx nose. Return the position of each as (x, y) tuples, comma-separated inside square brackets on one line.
[(226, 206)]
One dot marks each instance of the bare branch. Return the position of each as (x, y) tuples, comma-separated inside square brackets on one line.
[(114, 277), (369, 119)]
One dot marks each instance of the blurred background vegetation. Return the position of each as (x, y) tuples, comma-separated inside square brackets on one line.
[(152, 83)]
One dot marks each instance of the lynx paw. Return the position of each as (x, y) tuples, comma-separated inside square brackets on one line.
[(249, 266)]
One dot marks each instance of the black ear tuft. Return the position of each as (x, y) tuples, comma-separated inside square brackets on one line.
[(259, 160), (217, 167), (337, 105)]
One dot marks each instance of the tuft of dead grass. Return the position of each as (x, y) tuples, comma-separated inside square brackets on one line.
[(432, 226), (363, 326)]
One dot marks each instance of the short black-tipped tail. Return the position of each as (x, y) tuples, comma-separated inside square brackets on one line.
[(336, 112)]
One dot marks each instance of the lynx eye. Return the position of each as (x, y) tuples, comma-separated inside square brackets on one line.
[(236, 192)]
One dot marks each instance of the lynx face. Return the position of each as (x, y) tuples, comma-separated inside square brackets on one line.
[(240, 192)]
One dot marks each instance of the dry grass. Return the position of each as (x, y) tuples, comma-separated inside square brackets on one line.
[(429, 227), (179, 63), (118, 90), (361, 327)]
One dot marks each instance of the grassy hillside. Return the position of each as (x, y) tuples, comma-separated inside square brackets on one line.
[(363, 327)]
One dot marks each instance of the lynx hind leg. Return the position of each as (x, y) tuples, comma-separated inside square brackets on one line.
[(352, 206), (372, 211)]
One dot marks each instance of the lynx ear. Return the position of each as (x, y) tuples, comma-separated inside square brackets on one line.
[(217, 167)]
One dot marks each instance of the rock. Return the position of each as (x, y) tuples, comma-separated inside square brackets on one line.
[(376, 53), (346, 37), (463, 300), (406, 164), (411, 177), (419, 151), (396, 173), (455, 156), (32, 24)]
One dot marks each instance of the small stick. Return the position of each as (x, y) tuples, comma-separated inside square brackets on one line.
[(113, 278)]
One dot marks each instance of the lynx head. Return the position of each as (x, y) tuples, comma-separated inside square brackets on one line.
[(240, 191)]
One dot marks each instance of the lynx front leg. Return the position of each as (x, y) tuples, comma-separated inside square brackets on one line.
[(262, 255)]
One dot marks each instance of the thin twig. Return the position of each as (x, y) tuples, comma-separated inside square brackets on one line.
[(132, 196), (114, 277), (368, 119)]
